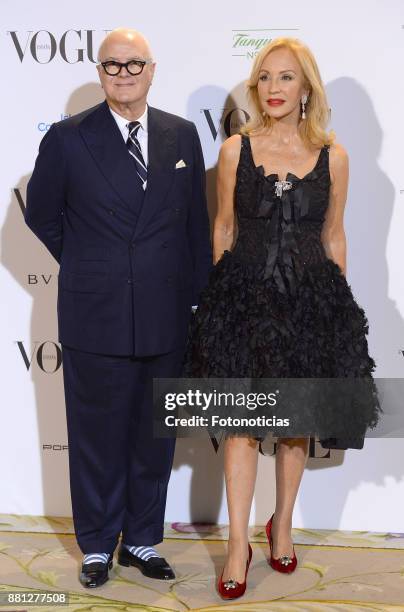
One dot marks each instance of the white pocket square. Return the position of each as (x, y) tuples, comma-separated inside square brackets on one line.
[(180, 164)]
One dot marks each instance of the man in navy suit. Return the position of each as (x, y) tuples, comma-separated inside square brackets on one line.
[(118, 198)]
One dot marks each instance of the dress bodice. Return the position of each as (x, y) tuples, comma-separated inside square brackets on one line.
[(280, 222)]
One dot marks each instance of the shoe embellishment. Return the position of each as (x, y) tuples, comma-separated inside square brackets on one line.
[(230, 584), (285, 560)]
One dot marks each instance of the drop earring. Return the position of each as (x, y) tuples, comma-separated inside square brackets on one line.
[(304, 102)]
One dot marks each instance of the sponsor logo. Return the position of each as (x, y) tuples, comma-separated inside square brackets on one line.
[(47, 355), (41, 279), (43, 46), (55, 447), (44, 126), (247, 43), (225, 120)]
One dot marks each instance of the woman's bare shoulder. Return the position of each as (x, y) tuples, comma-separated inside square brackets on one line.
[(230, 149), (338, 154)]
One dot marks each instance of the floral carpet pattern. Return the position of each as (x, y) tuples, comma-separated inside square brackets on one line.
[(337, 571)]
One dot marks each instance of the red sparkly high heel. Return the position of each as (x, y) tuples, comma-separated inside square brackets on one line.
[(285, 564), (231, 589)]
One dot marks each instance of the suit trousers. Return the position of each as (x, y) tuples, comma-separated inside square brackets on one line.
[(119, 472)]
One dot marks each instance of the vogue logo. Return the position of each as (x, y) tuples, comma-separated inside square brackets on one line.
[(73, 46), (20, 200), (313, 448), (33, 278), (227, 119), (48, 356)]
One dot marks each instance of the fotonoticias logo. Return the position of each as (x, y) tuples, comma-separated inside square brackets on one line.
[(247, 43)]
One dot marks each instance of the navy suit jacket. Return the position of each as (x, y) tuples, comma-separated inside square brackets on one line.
[(131, 263)]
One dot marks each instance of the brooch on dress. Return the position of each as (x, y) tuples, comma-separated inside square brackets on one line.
[(281, 186)]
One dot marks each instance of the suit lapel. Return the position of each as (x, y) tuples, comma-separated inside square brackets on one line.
[(105, 143), (161, 166)]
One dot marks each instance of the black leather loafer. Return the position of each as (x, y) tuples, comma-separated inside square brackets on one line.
[(93, 575), (155, 567)]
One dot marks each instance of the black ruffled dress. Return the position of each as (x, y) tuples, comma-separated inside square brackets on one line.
[(277, 306)]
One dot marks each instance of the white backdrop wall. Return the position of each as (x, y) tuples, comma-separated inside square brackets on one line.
[(204, 53)]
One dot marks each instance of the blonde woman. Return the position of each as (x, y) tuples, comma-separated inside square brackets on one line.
[(278, 304)]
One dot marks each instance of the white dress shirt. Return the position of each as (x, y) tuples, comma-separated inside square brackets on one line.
[(142, 137), (142, 134)]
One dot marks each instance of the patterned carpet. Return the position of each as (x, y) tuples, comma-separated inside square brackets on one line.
[(338, 571)]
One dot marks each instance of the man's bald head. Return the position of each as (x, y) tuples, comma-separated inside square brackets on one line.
[(124, 37), (126, 53)]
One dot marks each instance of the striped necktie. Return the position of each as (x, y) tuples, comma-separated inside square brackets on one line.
[(136, 152)]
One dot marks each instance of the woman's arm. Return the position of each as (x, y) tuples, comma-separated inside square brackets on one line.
[(223, 228), (333, 234)]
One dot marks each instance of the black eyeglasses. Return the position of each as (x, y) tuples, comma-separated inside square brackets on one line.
[(134, 67)]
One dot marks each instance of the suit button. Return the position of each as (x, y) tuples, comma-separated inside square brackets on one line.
[(133, 245), (129, 281), (177, 211), (111, 212), (165, 245)]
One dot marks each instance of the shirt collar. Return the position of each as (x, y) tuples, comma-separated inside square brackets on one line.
[(123, 123)]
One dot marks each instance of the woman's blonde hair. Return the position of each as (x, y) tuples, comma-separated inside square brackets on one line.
[(313, 128)]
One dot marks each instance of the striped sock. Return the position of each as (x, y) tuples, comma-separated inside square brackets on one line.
[(143, 552), (96, 558)]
